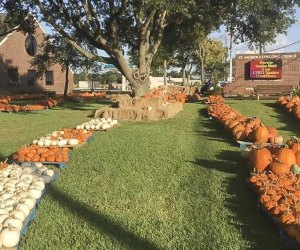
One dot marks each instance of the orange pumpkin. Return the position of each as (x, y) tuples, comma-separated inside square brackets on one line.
[(295, 146), (297, 155), (286, 155), (261, 134), (273, 131), (279, 168), (260, 158)]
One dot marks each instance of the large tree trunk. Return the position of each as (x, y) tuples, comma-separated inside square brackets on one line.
[(139, 88), (66, 81)]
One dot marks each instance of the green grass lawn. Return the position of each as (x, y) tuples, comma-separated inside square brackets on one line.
[(173, 184)]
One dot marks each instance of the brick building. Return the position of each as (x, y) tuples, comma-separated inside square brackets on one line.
[(264, 69), (16, 73)]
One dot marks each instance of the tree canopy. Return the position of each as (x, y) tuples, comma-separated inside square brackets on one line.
[(15, 16), (118, 25)]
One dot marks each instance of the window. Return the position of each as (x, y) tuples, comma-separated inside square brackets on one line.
[(31, 77), (13, 76), (49, 78), (31, 45)]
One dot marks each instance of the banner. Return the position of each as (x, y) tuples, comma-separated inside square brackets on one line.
[(266, 69)]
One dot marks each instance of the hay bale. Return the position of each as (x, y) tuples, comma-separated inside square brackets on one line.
[(124, 101)]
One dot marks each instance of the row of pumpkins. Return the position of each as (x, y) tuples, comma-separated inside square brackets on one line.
[(64, 137), (243, 128), (49, 103), (54, 147), (275, 175), (20, 189), (98, 124), (290, 104)]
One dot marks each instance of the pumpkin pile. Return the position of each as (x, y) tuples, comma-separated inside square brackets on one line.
[(169, 97), (6, 106), (280, 197), (290, 104), (274, 158), (214, 99), (98, 124), (242, 128), (275, 177), (64, 138), (52, 102), (90, 95), (20, 187), (35, 153)]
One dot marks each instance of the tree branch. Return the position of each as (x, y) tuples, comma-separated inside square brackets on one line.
[(159, 36)]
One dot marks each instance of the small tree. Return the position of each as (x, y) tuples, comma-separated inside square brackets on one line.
[(56, 50)]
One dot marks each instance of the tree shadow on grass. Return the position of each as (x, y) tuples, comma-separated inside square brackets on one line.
[(101, 222), (292, 124), (216, 130), (254, 225)]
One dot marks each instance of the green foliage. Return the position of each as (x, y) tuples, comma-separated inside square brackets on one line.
[(296, 91), (259, 22), (14, 15)]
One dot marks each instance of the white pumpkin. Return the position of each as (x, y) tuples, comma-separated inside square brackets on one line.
[(12, 222), (47, 142), (7, 195), (87, 126), (26, 176), (73, 142), (18, 214), (5, 173), (54, 142), (40, 184), (29, 201), (46, 178), (23, 194), (49, 172), (10, 237), (22, 207), (35, 142), (21, 184), (3, 217), (42, 169), (35, 193), (62, 143), (10, 202), (41, 142), (38, 164)]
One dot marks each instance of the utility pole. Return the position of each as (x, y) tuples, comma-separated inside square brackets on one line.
[(165, 72), (230, 59)]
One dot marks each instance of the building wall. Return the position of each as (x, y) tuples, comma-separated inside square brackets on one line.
[(14, 55), (244, 85), (290, 68)]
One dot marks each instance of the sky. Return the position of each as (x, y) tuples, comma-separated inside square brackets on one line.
[(293, 35)]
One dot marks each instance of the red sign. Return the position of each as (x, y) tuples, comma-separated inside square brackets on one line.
[(266, 69)]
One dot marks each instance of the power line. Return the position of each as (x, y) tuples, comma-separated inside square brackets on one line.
[(288, 45)]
